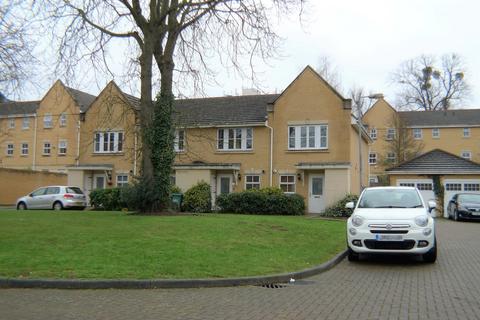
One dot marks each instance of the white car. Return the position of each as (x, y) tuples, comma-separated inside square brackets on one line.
[(53, 197), (391, 220)]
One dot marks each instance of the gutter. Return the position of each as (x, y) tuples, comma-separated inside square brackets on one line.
[(34, 142), (77, 161), (271, 152)]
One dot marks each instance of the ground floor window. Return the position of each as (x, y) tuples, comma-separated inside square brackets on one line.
[(122, 180), (453, 187), (287, 183), (424, 186), (252, 181), (407, 184), (471, 187)]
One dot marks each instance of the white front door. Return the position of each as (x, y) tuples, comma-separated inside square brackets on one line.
[(316, 200), (224, 183)]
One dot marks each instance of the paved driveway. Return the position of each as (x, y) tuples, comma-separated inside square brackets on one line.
[(374, 289)]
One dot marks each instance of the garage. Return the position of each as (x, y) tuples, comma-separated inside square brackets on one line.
[(457, 175)]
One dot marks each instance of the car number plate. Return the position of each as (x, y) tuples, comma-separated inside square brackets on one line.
[(476, 213), (388, 237)]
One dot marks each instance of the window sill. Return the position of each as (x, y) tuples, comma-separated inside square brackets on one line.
[(46, 155), (307, 150), (108, 154), (62, 154), (24, 155), (233, 151)]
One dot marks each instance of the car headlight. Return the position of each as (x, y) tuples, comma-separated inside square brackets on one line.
[(357, 221), (421, 221)]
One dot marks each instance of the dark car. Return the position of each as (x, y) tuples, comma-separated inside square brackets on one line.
[(464, 206)]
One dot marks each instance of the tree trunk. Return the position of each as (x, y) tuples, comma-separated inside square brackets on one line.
[(146, 107)]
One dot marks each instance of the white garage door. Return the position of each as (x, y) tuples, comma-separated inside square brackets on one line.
[(425, 186), (454, 186)]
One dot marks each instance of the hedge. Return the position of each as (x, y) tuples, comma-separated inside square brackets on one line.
[(198, 198), (338, 209), (262, 202), (107, 199)]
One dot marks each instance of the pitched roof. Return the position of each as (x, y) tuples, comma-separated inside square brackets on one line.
[(18, 107), (454, 117), (83, 99), (436, 162), (223, 110)]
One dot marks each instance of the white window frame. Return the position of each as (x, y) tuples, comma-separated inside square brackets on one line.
[(303, 134), (252, 184), (288, 183), (179, 141), (466, 132), (373, 179), (24, 149), (62, 144), (229, 139), (113, 146), (47, 150), (25, 123), (391, 133), (373, 133), (9, 151), (471, 186), (466, 154), (122, 183), (437, 135), (63, 120), (417, 134), (372, 158), (391, 157), (11, 122), (47, 121)]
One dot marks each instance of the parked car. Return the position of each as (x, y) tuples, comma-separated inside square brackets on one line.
[(464, 206), (391, 220), (53, 197)]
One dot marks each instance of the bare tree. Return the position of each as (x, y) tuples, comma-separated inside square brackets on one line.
[(401, 143), (425, 86), (16, 57), (167, 36), (329, 71)]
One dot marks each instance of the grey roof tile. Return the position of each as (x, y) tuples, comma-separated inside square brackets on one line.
[(18, 107), (83, 99), (435, 162), (454, 117)]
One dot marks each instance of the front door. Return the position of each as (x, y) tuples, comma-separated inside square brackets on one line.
[(99, 181), (224, 184), (316, 202)]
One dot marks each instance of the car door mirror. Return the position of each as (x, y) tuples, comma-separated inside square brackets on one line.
[(431, 205), (31, 195), (350, 205)]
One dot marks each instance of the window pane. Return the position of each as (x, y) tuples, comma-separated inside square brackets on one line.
[(311, 137), (317, 186), (303, 137), (112, 142), (120, 142), (220, 138), (105, 141), (249, 138), (291, 139), (238, 138), (323, 136), (231, 138)]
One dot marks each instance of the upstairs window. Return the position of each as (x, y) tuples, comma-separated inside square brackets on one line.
[(108, 142), (47, 120), (24, 151), (11, 123), (235, 139), (417, 134), (308, 137), (373, 133), (466, 132), (391, 157), (9, 150), (62, 147), (25, 123), (179, 142), (63, 120), (466, 155), (436, 133), (391, 133), (372, 158), (47, 148)]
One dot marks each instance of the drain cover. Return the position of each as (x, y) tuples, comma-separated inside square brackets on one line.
[(273, 286)]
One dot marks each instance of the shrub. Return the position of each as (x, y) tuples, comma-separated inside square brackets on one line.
[(266, 202), (175, 189), (338, 209), (107, 199), (198, 198)]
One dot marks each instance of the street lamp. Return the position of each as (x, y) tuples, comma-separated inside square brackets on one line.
[(360, 126)]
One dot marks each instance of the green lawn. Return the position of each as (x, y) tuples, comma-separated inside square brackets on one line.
[(73, 244)]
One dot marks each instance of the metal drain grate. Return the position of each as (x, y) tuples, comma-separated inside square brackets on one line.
[(273, 285)]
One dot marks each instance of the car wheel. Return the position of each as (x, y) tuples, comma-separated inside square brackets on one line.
[(21, 206), (352, 255), (431, 255), (455, 215), (57, 206)]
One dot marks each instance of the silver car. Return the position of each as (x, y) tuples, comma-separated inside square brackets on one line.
[(53, 197)]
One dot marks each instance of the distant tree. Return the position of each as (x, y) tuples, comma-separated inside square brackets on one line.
[(402, 144), (16, 46), (329, 72), (424, 85)]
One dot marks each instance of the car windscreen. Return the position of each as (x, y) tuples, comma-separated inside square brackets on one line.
[(390, 198), (472, 198), (74, 190)]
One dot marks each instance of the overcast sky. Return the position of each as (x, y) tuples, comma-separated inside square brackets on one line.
[(366, 40)]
